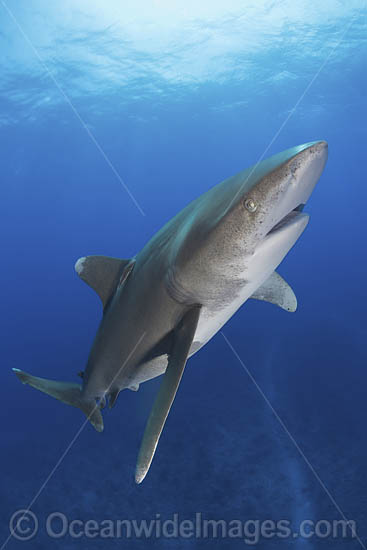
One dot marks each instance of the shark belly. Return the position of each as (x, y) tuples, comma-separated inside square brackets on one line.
[(211, 321), (251, 275), (209, 324), (254, 272)]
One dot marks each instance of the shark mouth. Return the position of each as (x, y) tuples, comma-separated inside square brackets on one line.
[(288, 218)]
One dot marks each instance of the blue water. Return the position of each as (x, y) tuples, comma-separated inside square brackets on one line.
[(178, 97)]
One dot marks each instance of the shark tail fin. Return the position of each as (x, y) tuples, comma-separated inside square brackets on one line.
[(65, 392)]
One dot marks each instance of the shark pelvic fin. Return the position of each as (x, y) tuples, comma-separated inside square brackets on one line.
[(277, 291), (103, 274), (66, 392), (183, 337)]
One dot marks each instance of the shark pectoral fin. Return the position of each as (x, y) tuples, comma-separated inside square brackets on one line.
[(277, 291), (65, 392), (103, 274), (183, 337)]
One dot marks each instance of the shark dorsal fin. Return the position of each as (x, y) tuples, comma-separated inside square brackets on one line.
[(103, 274), (277, 291)]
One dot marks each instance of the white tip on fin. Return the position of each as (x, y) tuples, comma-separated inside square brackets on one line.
[(184, 334), (103, 274), (79, 266), (277, 291)]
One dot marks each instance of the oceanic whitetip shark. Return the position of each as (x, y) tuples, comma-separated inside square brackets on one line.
[(163, 305)]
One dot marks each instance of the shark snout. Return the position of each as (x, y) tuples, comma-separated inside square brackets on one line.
[(306, 167), (282, 195), (302, 170)]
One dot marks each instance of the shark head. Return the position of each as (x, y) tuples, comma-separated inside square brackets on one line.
[(271, 202), (270, 197), (241, 229)]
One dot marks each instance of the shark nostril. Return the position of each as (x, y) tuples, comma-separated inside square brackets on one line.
[(250, 205)]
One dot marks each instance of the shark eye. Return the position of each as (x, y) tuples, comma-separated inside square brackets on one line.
[(250, 205)]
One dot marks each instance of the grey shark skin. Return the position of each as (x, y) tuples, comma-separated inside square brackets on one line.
[(163, 305)]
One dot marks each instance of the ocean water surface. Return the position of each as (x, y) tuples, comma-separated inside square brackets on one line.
[(113, 116)]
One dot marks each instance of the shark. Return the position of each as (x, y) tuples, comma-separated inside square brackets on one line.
[(161, 306)]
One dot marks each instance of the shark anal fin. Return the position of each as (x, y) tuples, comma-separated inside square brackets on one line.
[(112, 398), (103, 274), (277, 291), (183, 337)]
